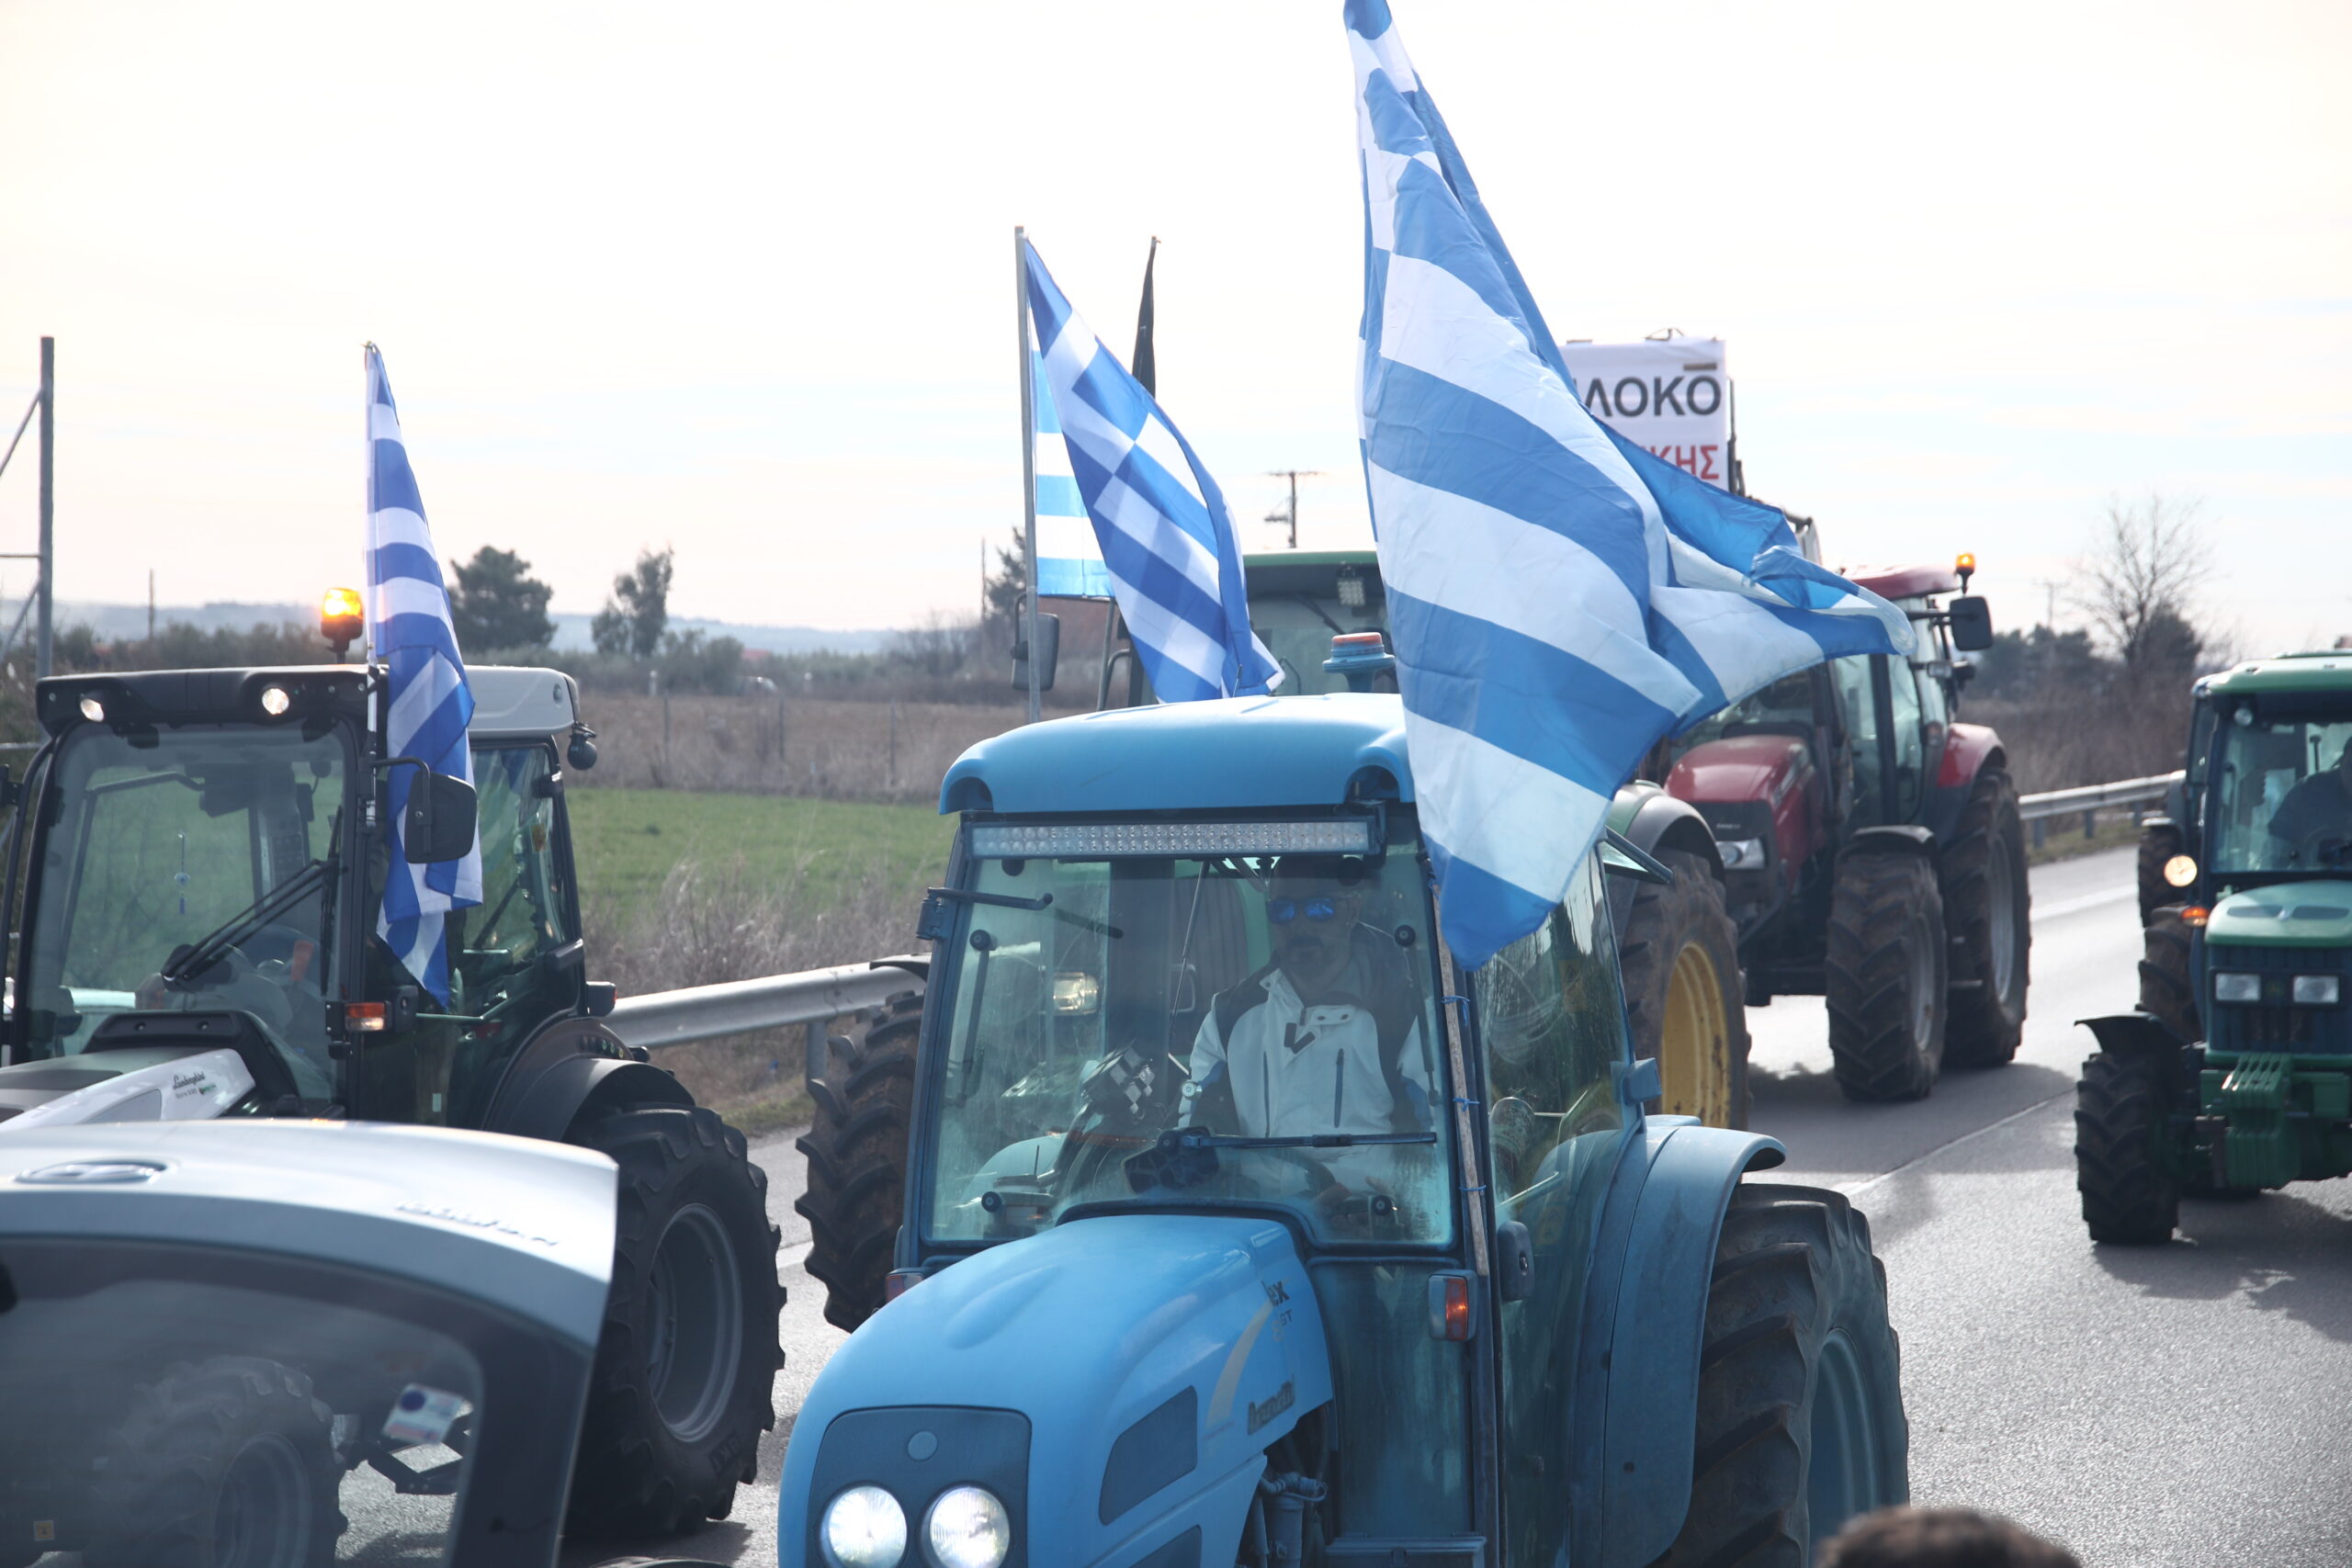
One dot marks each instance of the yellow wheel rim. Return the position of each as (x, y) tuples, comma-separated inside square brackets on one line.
[(1694, 1047)]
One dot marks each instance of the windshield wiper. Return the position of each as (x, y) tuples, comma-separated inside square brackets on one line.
[(199, 956)]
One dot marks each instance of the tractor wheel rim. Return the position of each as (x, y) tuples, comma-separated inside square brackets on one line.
[(694, 1324), (1841, 1481), (1923, 982), (2000, 886), (262, 1518), (1693, 1039)]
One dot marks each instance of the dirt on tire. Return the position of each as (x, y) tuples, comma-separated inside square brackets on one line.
[(637, 1474), (856, 1148), (1984, 866), (1885, 977), (1793, 1270), (2122, 1106), (2167, 991), (1660, 923)]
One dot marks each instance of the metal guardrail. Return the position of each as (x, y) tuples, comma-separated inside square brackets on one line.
[(773, 1001), (2090, 800)]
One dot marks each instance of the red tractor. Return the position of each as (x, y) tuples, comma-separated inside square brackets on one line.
[(1871, 849)]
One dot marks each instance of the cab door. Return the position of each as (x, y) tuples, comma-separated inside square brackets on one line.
[(1551, 1024)]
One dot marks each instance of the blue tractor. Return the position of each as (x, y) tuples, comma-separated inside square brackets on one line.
[(1242, 1226)]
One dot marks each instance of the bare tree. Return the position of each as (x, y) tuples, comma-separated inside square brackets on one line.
[(2139, 584), (941, 646)]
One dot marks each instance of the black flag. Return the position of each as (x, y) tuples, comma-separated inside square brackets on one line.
[(1142, 365)]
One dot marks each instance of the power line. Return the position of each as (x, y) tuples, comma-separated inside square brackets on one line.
[(1288, 515)]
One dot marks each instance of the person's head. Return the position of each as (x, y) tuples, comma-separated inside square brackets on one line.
[(1312, 906), (1939, 1538)]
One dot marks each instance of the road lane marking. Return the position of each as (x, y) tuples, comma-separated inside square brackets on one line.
[(1855, 1189), (2087, 901)]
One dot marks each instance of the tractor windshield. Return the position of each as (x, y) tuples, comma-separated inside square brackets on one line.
[(1283, 1005), (1298, 629), (2281, 777), (189, 868)]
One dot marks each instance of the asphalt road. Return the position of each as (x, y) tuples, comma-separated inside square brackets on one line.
[(2187, 1406)]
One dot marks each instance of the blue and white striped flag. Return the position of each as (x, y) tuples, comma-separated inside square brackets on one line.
[(1560, 599), (1166, 542), (429, 702), (1069, 563)]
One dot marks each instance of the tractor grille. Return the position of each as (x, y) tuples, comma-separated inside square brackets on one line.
[(2274, 1024)]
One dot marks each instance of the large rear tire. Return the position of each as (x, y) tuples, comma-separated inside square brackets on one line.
[(2129, 1195), (2159, 842), (685, 1370), (225, 1463), (856, 1146), (1679, 956), (2167, 989), (1886, 975), (1799, 1422), (1989, 910)]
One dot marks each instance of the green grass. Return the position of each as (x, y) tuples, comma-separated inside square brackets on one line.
[(626, 841)]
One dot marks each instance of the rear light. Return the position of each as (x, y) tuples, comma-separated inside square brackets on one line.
[(364, 1018), (1450, 1307), (898, 1282)]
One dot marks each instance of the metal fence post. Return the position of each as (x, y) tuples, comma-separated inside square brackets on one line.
[(2090, 823), (2041, 831)]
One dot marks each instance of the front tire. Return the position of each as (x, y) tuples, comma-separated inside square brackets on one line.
[(2167, 990), (1989, 910), (1679, 957), (1800, 1422), (1887, 974), (685, 1368), (2130, 1194), (856, 1146), (226, 1464)]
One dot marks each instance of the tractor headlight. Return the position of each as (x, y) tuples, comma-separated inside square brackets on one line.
[(94, 710), (864, 1528), (2318, 990), (2182, 870), (967, 1528), (2236, 987), (1741, 854)]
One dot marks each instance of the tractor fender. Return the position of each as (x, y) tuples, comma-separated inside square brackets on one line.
[(2134, 1034), (571, 1066), (1655, 820), (1636, 1400), (1116, 1380), (1968, 748), (1900, 838)]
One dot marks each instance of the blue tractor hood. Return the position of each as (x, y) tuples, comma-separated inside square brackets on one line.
[(1115, 1380), (1240, 754)]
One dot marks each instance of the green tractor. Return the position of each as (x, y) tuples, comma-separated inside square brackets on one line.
[(2234, 1075), (196, 873)]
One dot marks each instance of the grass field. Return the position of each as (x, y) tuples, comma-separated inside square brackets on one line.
[(627, 841)]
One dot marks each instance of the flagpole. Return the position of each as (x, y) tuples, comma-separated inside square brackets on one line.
[(1028, 466)]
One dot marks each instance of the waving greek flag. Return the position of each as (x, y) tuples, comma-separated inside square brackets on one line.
[(1166, 542), (429, 703), (1069, 563), (1560, 599)]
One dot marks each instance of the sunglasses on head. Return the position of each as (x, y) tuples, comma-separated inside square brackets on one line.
[(1283, 912)]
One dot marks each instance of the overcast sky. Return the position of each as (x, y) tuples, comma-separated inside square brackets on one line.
[(739, 277)]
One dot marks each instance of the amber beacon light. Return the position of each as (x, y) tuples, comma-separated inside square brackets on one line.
[(340, 617)]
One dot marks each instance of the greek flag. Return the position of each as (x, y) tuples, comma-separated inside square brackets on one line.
[(1560, 599), (1166, 541), (1069, 563), (428, 703)]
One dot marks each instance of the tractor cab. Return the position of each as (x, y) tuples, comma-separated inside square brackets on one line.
[(2236, 1074), (1240, 1222)]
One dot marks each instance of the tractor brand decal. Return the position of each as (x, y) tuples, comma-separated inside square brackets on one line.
[(1671, 395), (490, 1223), (1277, 1292), (191, 1083), (1283, 1399)]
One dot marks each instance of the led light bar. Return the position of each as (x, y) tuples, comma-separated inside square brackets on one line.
[(1108, 841)]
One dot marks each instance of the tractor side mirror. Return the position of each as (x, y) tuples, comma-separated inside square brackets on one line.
[(440, 819), (1048, 652), (1972, 624)]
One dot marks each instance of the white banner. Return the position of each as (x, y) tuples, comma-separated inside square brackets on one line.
[(1672, 395)]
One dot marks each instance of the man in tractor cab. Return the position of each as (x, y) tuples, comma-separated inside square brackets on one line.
[(2312, 826), (1327, 1037)]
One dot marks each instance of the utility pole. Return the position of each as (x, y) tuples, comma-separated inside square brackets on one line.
[(47, 503), (1289, 516)]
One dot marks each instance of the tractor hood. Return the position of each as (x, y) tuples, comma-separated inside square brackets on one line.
[(1114, 1381), (2287, 914), (1737, 768)]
